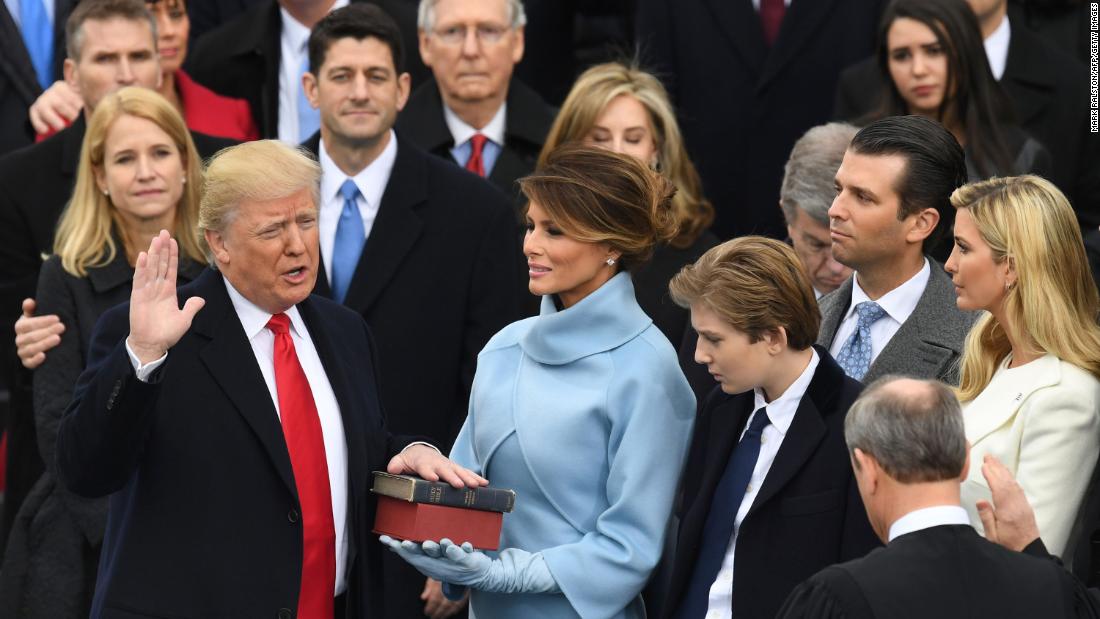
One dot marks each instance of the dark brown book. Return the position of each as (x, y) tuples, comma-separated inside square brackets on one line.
[(417, 490)]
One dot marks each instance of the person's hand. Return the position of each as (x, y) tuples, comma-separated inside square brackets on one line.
[(35, 335), (156, 320), (55, 108), (436, 605), (429, 464), (1009, 521), (445, 561)]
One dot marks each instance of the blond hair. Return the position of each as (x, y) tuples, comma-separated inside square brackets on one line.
[(593, 92), (598, 196), (84, 239), (1054, 305), (253, 171), (755, 284)]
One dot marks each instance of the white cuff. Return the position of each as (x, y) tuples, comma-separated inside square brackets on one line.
[(144, 370), (428, 445)]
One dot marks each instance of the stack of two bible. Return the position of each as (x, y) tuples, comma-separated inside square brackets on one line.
[(415, 509)]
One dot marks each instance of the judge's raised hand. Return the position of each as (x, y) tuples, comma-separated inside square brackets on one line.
[(1009, 520), (156, 320)]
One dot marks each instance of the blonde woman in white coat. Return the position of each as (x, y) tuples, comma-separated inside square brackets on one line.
[(1030, 375)]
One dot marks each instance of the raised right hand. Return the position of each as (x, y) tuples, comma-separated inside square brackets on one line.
[(156, 320), (56, 107), (36, 335)]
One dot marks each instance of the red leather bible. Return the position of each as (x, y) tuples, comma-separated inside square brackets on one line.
[(420, 522)]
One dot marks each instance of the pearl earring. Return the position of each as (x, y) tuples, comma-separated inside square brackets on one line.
[(610, 262), (106, 192)]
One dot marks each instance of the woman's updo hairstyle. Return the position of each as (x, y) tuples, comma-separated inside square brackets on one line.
[(597, 196)]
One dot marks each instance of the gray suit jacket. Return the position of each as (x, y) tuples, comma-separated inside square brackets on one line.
[(928, 345)]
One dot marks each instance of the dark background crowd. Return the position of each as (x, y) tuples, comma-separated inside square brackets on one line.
[(746, 106)]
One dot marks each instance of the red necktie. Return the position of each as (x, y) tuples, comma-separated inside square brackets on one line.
[(771, 17), (475, 163), (306, 444)]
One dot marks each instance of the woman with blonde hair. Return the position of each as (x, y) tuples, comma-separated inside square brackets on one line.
[(138, 174), (622, 108), (1030, 370)]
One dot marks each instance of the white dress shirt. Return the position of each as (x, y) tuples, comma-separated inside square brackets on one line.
[(371, 181), (927, 518), (293, 44), (254, 320), (899, 304), (996, 48), (461, 133), (781, 412)]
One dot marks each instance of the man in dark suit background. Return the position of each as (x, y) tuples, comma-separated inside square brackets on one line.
[(110, 45), (25, 74), (260, 56), (236, 442), (1049, 92), (909, 452), (768, 493), (749, 77), (896, 314), (424, 250), (474, 112)]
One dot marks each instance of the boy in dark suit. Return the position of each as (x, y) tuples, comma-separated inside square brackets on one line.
[(768, 493)]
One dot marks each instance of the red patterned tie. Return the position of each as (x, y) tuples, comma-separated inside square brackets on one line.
[(475, 163), (306, 444), (771, 16)]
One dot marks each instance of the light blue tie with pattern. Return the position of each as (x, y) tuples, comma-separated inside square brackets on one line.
[(309, 119), (855, 357), (350, 237), (37, 31)]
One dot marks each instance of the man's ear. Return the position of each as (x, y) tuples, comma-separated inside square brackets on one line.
[(404, 85), (966, 464), (309, 86), (517, 51), (924, 223), (425, 48), (775, 340), (217, 246), (868, 468), (68, 71)]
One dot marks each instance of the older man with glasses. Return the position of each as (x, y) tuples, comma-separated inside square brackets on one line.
[(473, 112)]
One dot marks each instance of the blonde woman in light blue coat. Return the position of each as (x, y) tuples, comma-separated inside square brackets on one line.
[(583, 409)]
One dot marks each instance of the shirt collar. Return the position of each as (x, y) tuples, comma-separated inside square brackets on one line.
[(926, 519), (371, 180), (996, 48), (295, 32), (782, 409), (254, 320), (900, 302), (461, 132)]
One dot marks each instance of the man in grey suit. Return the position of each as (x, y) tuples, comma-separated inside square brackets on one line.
[(897, 313)]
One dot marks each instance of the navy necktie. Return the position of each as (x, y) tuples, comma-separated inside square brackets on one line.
[(718, 529), (350, 237)]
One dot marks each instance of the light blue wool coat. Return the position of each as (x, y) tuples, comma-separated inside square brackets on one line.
[(586, 414)]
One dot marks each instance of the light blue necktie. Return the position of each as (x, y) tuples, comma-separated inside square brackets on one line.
[(855, 357), (37, 31), (350, 236), (309, 119)]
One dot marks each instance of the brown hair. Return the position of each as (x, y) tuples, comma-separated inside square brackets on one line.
[(755, 284), (593, 91), (597, 196)]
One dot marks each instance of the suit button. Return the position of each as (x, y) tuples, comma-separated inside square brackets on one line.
[(292, 516), (284, 613)]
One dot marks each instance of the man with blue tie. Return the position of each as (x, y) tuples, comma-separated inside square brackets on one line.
[(426, 252), (896, 314)]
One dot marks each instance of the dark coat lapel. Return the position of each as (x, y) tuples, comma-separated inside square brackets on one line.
[(833, 314), (1026, 76), (70, 148), (806, 430), (742, 28), (228, 356), (395, 230), (799, 24)]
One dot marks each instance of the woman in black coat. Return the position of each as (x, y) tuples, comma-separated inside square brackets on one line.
[(138, 174)]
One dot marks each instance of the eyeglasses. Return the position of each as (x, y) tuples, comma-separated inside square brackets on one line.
[(487, 34)]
